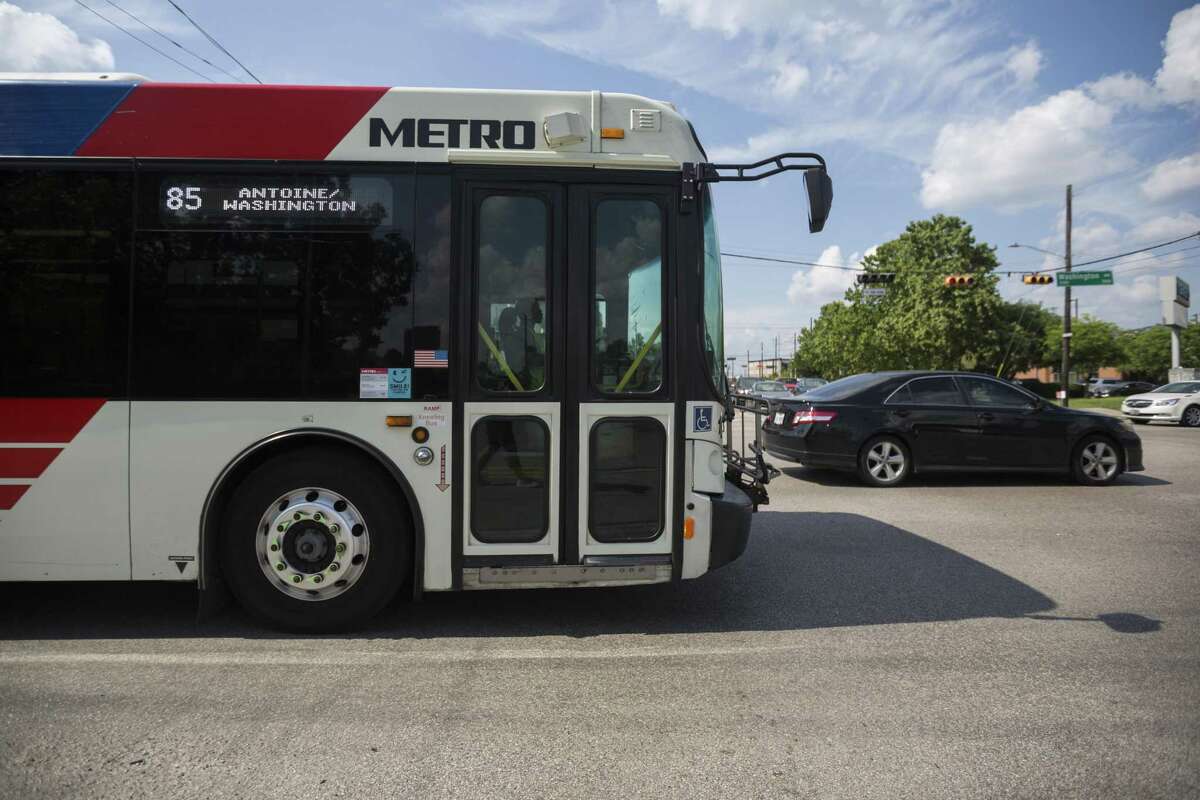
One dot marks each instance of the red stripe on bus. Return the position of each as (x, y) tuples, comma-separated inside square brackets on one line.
[(37, 419), (26, 462), (166, 120), (9, 495)]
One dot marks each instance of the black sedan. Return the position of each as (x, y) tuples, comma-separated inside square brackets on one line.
[(888, 425)]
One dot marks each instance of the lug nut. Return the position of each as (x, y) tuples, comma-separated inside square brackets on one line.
[(341, 547), (334, 567), (274, 547), (317, 516), (280, 566), (296, 579), (334, 528), (317, 579), (296, 515), (279, 527)]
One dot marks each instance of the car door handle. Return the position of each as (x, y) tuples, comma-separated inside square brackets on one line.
[(987, 416)]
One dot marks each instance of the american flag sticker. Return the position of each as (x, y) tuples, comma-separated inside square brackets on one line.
[(437, 359)]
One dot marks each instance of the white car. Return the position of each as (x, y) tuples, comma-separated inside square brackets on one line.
[(1177, 402)]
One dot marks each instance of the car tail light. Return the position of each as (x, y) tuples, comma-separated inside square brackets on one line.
[(811, 416)]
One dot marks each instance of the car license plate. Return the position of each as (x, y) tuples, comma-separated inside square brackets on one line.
[(1132, 413), (778, 417)]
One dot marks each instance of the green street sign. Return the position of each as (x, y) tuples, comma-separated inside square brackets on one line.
[(1101, 278)]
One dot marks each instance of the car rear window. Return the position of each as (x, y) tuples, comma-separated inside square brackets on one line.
[(846, 387)]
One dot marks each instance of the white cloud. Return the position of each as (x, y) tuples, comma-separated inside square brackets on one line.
[(816, 286), (1172, 177), (36, 42), (789, 79), (1165, 228), (1026, 63), (825, 70), (1125, 89), (1021, 160), (1179, 78)]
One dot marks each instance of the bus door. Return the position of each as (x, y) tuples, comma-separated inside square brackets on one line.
[(567, 418)]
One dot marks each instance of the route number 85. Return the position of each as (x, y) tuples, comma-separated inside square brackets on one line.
[(179, 197)]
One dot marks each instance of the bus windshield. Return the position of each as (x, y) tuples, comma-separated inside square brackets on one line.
[(714, 324)]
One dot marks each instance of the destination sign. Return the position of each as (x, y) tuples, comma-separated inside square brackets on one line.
[(194, 200), (1083, 278)]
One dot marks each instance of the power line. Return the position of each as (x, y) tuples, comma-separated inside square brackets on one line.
[(792, 261), (1130, 253), (219, 46), (153, 29), (143, 41)]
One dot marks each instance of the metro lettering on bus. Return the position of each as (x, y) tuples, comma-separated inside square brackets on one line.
[(325, 345)]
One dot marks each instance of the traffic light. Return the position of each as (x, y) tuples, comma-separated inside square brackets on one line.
[(1038, 280), (960, 281), (873, 278)]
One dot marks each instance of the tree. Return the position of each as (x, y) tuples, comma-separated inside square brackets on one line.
[(1094, 344), (1147, 353), (920, 323)]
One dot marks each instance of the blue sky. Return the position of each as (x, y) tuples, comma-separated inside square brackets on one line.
[(981, 109)]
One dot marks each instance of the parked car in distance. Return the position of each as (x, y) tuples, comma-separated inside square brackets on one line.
[(790, 383), (772, 390), (745, 385), (1108, 387), (888, 425), (1177, 402)]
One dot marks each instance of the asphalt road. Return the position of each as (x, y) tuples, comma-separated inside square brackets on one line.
[(957, 637)]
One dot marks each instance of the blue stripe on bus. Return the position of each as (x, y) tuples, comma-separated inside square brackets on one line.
[(54, 119)]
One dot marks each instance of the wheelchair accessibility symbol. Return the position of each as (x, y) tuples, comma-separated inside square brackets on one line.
[(702, 419)]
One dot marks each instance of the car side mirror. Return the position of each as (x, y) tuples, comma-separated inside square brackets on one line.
[(820, 198)]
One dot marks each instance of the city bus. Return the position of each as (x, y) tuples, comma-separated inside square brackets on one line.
[(318, 347)]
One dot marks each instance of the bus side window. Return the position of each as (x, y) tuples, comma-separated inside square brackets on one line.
[(64, 296), (627, 352), (513, 318)]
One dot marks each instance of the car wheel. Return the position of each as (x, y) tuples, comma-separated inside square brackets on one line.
[(1190, 417), (1096, 461), (884, 461), (316, 540)]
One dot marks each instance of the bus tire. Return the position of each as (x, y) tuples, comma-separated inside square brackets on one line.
[(315, 540)]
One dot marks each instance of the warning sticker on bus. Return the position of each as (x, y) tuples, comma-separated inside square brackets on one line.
[(287, 200)]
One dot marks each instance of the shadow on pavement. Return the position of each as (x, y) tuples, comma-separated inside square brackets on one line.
[(830, 477), (801, 570)]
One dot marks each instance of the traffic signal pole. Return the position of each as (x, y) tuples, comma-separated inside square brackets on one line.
[(1066, 337)]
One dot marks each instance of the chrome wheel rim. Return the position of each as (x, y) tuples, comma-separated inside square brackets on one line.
[(1191, 417), (1099, 461), (885, 462), (312, 544)]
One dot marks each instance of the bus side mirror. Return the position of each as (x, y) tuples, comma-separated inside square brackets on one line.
[(820, 198)]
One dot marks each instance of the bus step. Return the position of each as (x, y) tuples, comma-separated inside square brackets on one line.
[(566, 575)]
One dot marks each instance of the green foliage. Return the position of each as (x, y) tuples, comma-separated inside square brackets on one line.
[(920, 323), (1094, 344), (1148, 351), (1147, 354)]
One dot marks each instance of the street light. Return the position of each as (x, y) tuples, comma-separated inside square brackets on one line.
[(1040, 250)]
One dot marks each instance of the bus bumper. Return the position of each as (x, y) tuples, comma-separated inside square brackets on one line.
[(731, 512)]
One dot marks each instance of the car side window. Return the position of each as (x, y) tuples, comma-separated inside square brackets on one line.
[(929, 391), (994, 394)]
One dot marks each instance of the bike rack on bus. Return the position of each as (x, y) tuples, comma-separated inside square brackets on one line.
[(745, 465)]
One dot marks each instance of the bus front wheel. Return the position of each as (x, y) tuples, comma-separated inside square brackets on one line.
[(316, 540)]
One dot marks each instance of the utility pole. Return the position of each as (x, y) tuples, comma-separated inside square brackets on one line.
[(775, 366), (1066, 337)]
